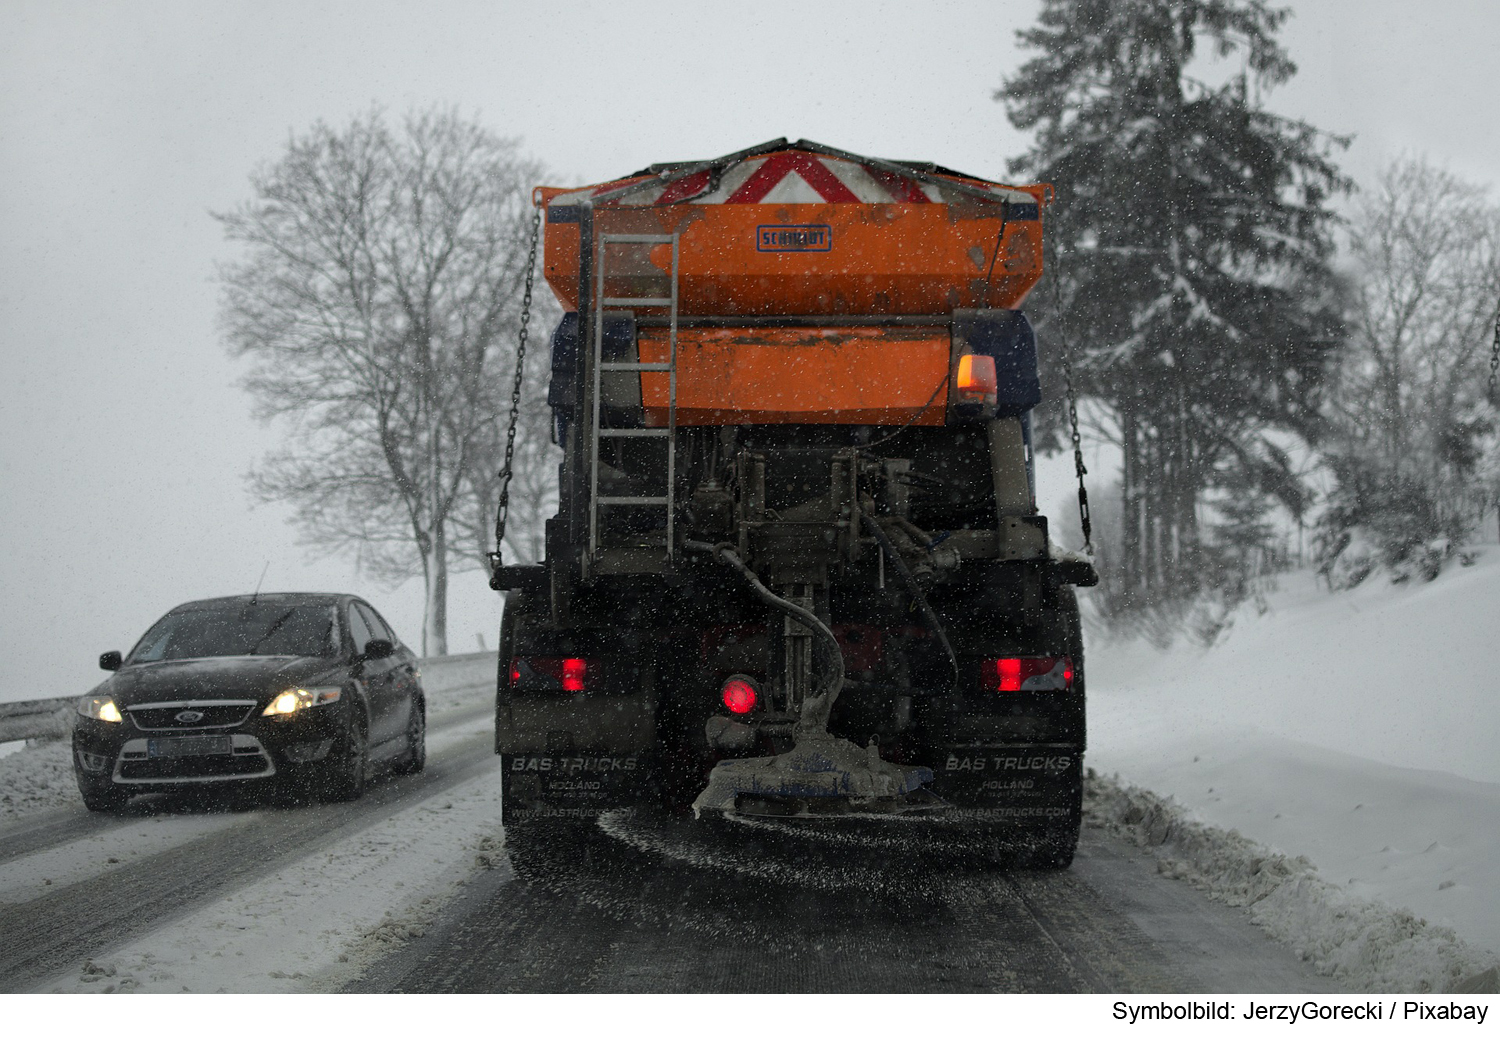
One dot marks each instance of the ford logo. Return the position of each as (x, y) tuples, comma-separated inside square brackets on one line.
[(189, 716)]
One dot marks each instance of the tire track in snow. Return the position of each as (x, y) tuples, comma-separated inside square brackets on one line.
[(58, 930), (668, 906)]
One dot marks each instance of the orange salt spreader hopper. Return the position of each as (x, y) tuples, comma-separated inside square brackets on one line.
[(813, 285)]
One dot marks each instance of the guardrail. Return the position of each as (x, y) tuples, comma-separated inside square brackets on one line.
[(48, 718), (52, 717)]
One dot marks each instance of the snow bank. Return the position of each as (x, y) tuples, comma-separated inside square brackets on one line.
[(1358, 730), (1403, 674), (1366, 945), (37, 777), (458, 681)]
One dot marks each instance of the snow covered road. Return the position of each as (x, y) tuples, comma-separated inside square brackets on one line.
[(149, 892), (127, 880), (412, 888), (640, 904)]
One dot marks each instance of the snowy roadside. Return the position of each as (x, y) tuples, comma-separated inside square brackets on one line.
[(459, 681), (1357, 730), (35, 778), (112, 842), (1366, 945), (320, 922)]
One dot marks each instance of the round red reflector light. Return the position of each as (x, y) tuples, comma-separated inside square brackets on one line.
[(739, 695)]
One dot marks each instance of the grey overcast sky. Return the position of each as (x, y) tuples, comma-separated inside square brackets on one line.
[(124, 440)]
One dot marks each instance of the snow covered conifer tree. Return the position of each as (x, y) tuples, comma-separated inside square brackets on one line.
[(1191, 240)]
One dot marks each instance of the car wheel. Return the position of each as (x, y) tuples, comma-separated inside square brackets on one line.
[(347, 775), (416, 739), (102, 797)]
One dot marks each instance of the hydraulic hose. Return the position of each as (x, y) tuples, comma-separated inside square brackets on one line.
[(913, 587), (816, 708)]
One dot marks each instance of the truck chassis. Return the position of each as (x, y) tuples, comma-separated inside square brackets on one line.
[(779, 616)]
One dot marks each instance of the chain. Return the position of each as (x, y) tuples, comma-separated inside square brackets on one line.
[(1495, 362), (1067, 360), (502, 513), (1083, 493)]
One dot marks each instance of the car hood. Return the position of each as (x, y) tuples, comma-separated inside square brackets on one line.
[(217, 678)]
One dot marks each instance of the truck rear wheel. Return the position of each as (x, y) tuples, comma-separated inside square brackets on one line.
[(1055, 851), (1058, 849), (532, 848), (557, 853)]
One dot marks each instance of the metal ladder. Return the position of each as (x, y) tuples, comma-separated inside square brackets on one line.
[(668, 433)]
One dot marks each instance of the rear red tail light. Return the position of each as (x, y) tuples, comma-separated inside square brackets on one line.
[(739, 694), (549, 673), (1013, 674)]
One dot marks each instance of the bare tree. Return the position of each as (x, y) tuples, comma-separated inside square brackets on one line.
[(382, 277), (1408, 403)]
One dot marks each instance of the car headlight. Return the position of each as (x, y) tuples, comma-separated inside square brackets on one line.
[(294, 700), (101, 708)]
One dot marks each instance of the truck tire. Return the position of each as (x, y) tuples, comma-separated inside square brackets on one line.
[(1056, 849), (553, 852)]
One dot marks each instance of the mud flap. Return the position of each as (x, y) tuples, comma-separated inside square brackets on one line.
[(573, 786), (1026, 785)]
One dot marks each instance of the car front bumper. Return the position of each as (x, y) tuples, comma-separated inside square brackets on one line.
[(257, 749)]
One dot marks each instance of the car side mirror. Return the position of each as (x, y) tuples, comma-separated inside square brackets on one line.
[(111, 660), (379, 649)]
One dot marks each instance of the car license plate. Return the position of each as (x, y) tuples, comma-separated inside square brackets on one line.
[(171, 747)]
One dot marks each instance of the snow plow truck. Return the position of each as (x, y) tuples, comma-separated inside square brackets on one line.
[(797, 569)]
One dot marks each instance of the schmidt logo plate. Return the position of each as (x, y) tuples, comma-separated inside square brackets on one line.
[(793, 238)]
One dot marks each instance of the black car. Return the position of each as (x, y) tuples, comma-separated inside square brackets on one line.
[(301, 690)]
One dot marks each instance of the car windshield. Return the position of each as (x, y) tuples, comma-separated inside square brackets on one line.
[(259, 628)]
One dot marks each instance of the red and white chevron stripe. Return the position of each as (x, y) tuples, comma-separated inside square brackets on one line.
[(781, 177)]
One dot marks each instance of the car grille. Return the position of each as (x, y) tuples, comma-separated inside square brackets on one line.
[(193, 766), (247, 758), (216, 715)]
